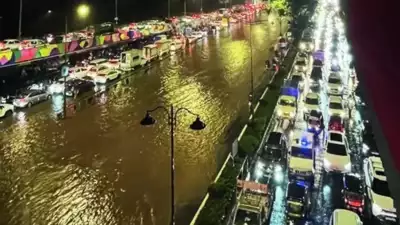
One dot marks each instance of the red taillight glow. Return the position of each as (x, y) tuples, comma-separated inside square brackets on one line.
[(22, 100), (354, 203)]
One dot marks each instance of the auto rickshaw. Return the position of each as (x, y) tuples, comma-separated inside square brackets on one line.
[(315, 122), (336, 123)]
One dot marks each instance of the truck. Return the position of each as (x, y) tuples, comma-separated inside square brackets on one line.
[(254, 203), (132, 59), (301, 156), (164, 46)]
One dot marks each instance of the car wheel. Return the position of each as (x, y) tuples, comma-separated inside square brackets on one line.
[(8, 113), (48, 97), (29, 104)]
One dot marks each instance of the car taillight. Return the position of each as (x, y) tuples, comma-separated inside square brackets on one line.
[(22, 100)]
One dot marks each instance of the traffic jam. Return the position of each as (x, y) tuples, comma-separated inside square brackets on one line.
[(92, 75), (319, 163)]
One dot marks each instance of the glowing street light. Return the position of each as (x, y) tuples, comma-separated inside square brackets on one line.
[(83, 11)]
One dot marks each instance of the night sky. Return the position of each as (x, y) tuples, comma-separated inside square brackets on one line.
[(36, 22)]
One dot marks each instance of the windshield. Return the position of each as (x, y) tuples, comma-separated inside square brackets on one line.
[(301, 63), (353, 184), (334, 81), (285, 102), (274, 138), (336, 137), (304, 153), (312, 101), (335, 105), (381, 187), (336, 149), (297, 78), (246, 217)]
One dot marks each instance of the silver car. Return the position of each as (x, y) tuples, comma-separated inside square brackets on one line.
[(30, 97)]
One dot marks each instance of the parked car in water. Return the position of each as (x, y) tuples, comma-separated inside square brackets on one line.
[(77, 87), (6, 110), (30, 97)]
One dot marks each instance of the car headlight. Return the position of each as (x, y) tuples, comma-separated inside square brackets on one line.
[(340, 88), (376, 209), (347, 167), (311, 46), (302, 46), (296, 67), (278, 168), (279, 112), (341, 114), (291, 114), (327, 163)]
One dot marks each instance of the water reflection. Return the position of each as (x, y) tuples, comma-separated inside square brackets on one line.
[(100, 167)]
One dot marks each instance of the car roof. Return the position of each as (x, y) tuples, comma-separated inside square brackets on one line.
[(377, 168), (343, 216), (335, 99), (287, 97), (98, 60)]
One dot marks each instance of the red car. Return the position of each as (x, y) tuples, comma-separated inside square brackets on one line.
[(336, 123)]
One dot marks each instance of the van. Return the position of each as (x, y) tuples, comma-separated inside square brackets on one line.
[(344, 217), (164, 46), (131, 59), (150, 52)]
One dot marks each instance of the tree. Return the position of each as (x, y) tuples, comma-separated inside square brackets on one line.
[(281, 6)]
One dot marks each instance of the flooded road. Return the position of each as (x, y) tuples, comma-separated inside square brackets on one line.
[(99, 166)]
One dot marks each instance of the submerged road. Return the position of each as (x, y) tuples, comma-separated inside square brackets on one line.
[(100, 166)]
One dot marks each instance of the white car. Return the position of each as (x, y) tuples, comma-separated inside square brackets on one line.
[(58, 86), (6, 110), (12, 44), (286, 107), (378, 190), (336, 107), (337, 157), (32, 43), (312, 101), (113, 64), (78, 72), (301, 65), (335, 85), (106, 76), (92, 72), (301, 160)]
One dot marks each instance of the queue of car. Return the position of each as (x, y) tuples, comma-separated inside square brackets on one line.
[(312, 147)]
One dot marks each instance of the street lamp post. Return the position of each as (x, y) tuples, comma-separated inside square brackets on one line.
[(20, 20), (116, 12), (184, 7), (65, 64), (172, 119)]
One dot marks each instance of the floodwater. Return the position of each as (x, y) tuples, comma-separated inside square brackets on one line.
[(99, 166)]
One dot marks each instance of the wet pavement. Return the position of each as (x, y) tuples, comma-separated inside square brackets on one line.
[(99, 166), (327, 192)]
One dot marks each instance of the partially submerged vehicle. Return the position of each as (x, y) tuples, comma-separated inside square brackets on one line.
[(254, 204)]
